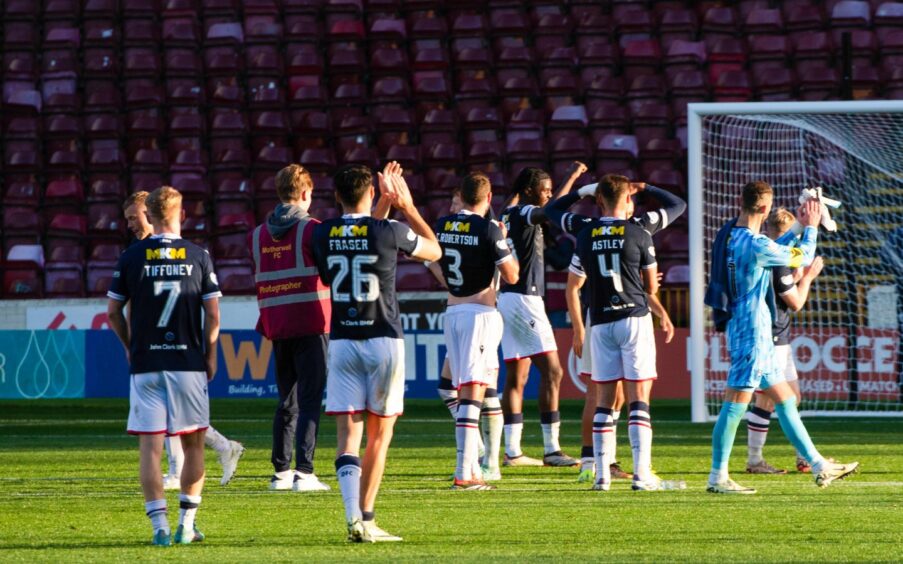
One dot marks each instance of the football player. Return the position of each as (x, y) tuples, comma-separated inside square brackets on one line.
[(473, 247), (618, 258), (172, 354), (228, 451), (356, 256), (527, 336), (790, 295), (738, 291), (652, 221)]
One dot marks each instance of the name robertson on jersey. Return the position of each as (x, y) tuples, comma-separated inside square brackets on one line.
[(155, 270), (457, 239)]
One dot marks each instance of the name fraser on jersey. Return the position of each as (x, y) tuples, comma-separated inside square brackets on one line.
[(348, 245), (155, 270)]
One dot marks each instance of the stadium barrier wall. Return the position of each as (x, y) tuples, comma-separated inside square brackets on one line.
[(63, 349)]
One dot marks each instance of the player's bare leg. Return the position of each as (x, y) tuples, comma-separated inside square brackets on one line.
[(516, 372), (150, 452), (550, 376), (467, 432), (192, 484)]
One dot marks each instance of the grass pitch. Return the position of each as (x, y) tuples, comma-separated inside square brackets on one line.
[(69, 493)]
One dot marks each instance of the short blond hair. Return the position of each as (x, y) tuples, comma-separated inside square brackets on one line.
[(163, 203), (780, 220), (135, 199), (292, 181)]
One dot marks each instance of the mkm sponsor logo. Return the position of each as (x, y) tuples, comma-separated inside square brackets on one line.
[(348, 231), (166, 253)]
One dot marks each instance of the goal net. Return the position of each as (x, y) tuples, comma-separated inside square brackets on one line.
[(845, 341)]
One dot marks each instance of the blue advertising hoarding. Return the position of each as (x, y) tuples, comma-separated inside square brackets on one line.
[(42, 364)]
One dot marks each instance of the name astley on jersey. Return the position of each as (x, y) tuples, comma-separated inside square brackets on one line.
[(165, 279), (472, 246), (356, 256), (612, 252), (526, 240)]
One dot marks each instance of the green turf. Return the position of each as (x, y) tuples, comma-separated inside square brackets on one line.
[(69, 493)]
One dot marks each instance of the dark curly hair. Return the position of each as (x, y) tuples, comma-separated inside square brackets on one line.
[(529, 179)]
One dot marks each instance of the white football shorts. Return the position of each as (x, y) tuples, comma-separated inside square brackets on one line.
[(174, 403), (527, 331), (784, 359), (365, 375), (624, 350), (472, 336)]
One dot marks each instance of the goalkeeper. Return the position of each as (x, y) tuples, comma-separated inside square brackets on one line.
[(791, 289), (740, 292)]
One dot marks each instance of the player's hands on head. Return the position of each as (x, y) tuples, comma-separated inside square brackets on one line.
[(637, 187), (814, 269), (667, 327), (809, 214), (578, 168)]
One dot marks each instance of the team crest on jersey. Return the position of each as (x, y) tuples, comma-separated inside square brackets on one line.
[(166, 253), (348, 231), (608, 230), (457, 226)]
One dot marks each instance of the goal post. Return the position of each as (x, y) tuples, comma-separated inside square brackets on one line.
[(846, 340)]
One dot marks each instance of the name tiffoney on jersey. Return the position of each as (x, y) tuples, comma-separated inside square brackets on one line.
[(455, 237), (348, 238)]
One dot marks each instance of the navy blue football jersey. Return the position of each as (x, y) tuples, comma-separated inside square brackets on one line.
[(611, 253), (356, 257), (782, 283), (652, 221), (526, 240), (165, 279), (472, 246)]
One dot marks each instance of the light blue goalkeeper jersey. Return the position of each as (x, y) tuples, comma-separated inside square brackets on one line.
[(750, 258)]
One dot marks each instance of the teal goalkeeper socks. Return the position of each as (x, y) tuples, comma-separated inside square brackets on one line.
[(793, 427), (724, 433)]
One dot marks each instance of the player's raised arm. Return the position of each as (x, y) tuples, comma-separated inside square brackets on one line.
[(576, 279), (770, 253), (796, 294), (577, 170), (386, 188), (671, 208), (427, 247)]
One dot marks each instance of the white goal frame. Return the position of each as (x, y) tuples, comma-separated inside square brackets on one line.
[(695, 113)]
